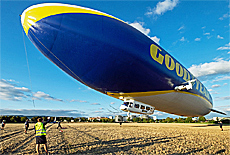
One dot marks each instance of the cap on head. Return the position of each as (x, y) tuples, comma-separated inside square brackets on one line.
[(40, 119)]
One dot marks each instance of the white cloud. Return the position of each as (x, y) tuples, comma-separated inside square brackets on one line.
[(212, 68), (225, 47), (160, 114), (163, 7), (9, 91), (156, 40), (39, 112), (227, 15), (139, 26), (95, 104), (219, 37), (98, 111), (78, 101), (223, 98), (182, 39), (41, 95), (181, 28), (214, 92), (215, 86), (206, 34), (22, 89), (197, 39), (221, 78)]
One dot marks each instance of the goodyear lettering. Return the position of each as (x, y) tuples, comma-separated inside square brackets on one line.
[(153, 51), (205, 92), (197, 84), (172, 65), (202, 89), (169, 62), (179, 70), (186, 75)]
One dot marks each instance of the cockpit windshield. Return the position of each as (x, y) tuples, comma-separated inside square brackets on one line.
[(126, 103)]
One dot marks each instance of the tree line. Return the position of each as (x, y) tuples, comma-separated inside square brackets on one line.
[(21, 119), (171, 120)]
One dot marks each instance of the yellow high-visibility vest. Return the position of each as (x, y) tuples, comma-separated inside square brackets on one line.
[(40, 129)]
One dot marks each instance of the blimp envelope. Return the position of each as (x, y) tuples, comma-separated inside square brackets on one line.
[(110, 56)]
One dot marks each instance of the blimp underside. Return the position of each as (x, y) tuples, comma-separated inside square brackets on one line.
[(180, 104), (112, 57)]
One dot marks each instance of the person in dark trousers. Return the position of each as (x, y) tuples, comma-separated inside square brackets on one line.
[(3, 124), (26, 125), (40, 131), (221, 126), (59, 125)]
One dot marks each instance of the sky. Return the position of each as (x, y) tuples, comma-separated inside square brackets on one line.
[(196, 33)]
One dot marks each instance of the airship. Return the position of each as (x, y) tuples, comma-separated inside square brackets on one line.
[(112, 57)]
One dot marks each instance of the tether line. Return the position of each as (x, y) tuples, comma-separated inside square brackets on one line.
[(28, 67)]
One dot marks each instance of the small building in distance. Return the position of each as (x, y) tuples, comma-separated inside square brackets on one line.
[(96, 118), (118, 118), (110, 117), (154, 118)]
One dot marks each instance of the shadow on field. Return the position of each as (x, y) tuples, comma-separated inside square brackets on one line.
[(206, 125), (200, 126), (112, 146), (210, 125), (193, 151), (220, 151), (199, 150)]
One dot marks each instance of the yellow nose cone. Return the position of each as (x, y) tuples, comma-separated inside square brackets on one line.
[(28, 18)]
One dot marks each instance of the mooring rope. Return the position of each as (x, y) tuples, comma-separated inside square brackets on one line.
[(28, 67)]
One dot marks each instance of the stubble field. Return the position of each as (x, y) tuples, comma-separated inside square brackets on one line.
[(130, 138)]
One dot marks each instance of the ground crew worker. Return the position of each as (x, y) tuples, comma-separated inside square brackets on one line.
[(26, 125), (221, 126), (59, 125), (3, 124), (40, 132)]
